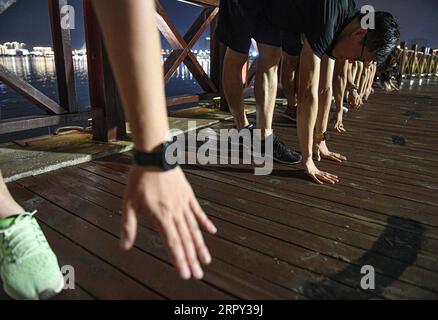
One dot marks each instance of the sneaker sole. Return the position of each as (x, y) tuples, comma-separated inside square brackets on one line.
[(45, 295), (278, 160), (288, 163)]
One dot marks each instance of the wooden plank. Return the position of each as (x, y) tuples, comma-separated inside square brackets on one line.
[(216, 195), (29, 92), (297, 199), (240, 288), (156, 276), (96, 276), (34, 122), (243, 290), (115, 168), (189, 98), (61, 38), (302, 236)]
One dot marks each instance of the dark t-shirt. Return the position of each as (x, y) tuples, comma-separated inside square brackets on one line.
[(320, 20)]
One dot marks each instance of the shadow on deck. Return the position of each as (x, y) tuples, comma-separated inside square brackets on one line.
[(280, 236)]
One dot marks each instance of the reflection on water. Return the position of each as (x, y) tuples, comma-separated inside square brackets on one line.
[(40, 72)]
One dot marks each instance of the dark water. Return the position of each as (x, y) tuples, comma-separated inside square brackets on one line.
[(40, 73)]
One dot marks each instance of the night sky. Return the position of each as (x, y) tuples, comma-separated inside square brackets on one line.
[(27, 20)]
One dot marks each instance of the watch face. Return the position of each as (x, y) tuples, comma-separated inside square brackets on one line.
[(327, 136)]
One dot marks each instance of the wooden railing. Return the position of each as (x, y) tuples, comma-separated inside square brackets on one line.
[(57, 114), (106, 112), (416, 63)]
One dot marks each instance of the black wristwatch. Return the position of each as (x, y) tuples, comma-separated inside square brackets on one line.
[(155, 159)]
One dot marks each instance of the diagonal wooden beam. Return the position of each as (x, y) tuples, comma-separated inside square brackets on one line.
[(168, 29), (199, 73), (173, 62), (198, 28), (31, 93), (182, 45)]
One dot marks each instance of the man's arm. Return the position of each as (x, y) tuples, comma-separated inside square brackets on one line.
[(310, 66), (133, 43), (325, 99), (370, 90), (342, 71), (353, 94), (363, 84)]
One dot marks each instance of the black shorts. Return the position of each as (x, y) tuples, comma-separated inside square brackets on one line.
[(292, 43), (242, 20)]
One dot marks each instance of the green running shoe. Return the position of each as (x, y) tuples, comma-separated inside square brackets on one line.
[(29, 268)]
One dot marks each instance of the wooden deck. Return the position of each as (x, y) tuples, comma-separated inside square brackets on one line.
[(280, 236)]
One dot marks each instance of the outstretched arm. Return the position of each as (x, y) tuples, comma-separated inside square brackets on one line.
[(340, 81), (325, 102), (310, 66), (133, 43)]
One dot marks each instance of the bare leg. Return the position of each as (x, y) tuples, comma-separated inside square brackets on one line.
[(289, 78), (266, 86), (233, 86), (8, 206)]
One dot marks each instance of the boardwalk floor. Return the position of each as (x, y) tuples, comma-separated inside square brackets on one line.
[(280, 236)]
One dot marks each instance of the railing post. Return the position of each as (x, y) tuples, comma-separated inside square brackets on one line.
[(414, 62), (103, 89), (403, 59), (61, 39), (217, 56), (435, 62)]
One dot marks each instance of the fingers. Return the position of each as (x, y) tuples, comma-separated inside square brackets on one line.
[(315, 178), (185, 242), (328, 178), (189, 247), (201, 249), (340, 157), (333, 157), (336, 157), (174, 246), (202, 217), (321, 177), (129, 227)]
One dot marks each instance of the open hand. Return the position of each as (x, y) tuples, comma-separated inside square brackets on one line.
[(168, 198), (354, 99), (339, 124), (324, 153), (320, 177)]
